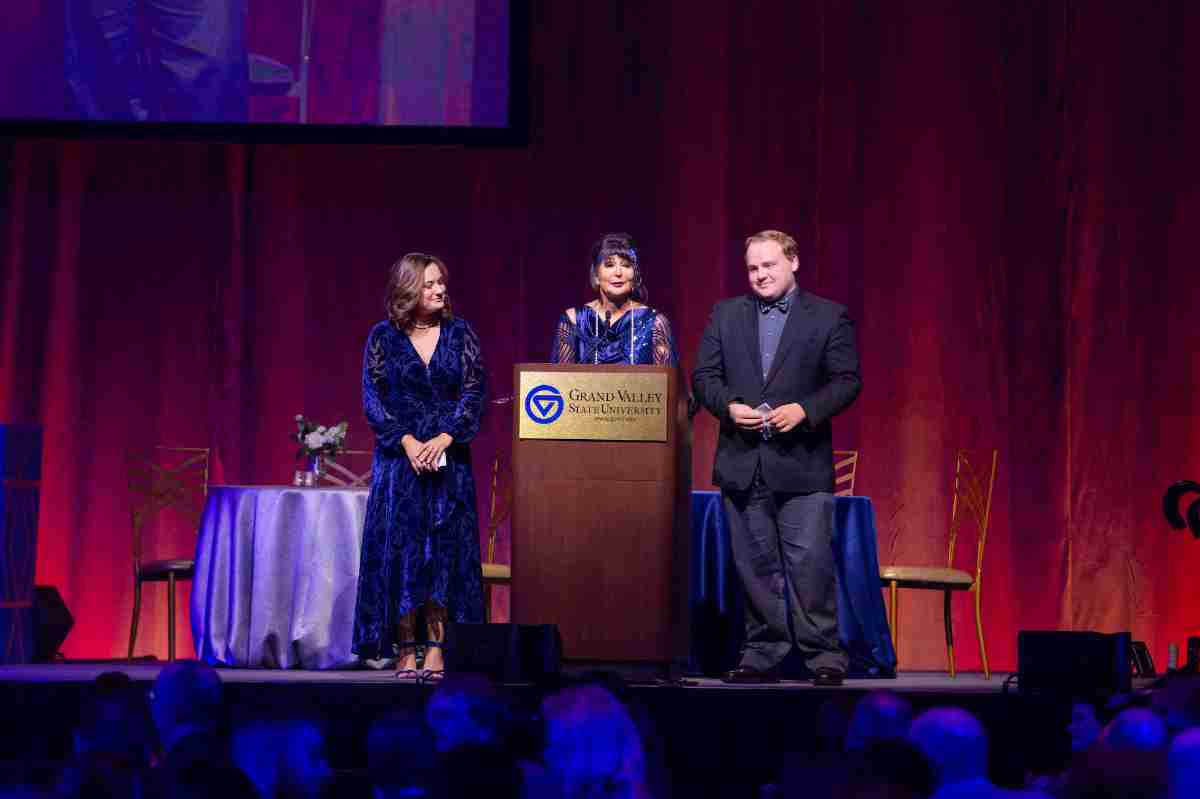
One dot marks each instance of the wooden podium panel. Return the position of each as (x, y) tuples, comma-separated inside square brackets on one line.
[(600, 532)]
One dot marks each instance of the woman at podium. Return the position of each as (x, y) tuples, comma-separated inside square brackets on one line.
[(617, 326), (423, 395)]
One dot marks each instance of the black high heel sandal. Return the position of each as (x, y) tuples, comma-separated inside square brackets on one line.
[(431, 675), (407, 674)]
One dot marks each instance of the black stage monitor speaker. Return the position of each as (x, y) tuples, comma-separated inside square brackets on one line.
[(1068, 663), (504, 652), (51, 623)]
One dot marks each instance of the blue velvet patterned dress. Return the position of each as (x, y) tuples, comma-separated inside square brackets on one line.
[(421, 536), (639, 336)]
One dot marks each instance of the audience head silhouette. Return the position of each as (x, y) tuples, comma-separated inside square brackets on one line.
[(113, 742), (401, 755), (1183, 765), (593, 747), (467, 710), (878, 716), (954, 742), (1085, 725), (1135, 730), (284, 758), (115, 726), (187, 698)]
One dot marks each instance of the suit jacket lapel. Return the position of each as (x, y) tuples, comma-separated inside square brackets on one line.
[(750, 336), (791, 332)]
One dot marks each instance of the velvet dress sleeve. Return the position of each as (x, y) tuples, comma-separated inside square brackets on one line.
[(379, 396), (664, 343), (563, 348), (463, 424)]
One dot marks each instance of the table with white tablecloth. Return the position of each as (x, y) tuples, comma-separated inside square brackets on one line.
[(277, 575)]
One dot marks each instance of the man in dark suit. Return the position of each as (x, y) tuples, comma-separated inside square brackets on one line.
[(774, 367)]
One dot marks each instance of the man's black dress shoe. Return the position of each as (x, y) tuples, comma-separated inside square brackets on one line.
[(826, 676), (746, 675)]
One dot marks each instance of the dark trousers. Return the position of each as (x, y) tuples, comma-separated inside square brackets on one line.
[(783, 552), (158, 60)]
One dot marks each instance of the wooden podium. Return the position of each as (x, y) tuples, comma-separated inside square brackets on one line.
[(600, 543)]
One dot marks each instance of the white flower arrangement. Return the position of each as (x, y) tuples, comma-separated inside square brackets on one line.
[(319, 439)]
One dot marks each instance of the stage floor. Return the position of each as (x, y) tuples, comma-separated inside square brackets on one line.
[(87, 671)]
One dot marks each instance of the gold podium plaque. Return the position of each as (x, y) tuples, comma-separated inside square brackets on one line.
[(597, 406)]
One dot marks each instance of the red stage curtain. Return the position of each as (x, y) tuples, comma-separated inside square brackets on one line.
[(1002, 194)]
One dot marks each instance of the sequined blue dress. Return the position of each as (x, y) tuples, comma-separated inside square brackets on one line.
[(639, 336), (421, 535)]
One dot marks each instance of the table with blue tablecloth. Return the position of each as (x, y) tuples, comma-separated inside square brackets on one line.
[(716, 597)]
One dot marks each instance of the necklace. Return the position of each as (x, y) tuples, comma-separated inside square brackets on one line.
[(596, 333), (420, 326)]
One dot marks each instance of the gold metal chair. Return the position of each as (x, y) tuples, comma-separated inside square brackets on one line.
[(845, 468), (166, 479), (974, 477), (500, 508), (340, 474)]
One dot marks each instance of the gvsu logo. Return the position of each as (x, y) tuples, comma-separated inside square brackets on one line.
[(544, 404)]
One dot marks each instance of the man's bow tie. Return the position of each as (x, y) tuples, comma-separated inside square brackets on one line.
[(780, 304)]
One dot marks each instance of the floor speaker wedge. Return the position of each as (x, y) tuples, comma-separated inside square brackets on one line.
[(504, 652), (1073, 663)]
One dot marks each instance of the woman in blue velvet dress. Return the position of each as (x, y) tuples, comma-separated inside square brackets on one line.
[(423, 394), (617, 326)]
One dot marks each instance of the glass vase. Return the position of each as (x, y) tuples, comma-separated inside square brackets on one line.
[(311, 477)]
